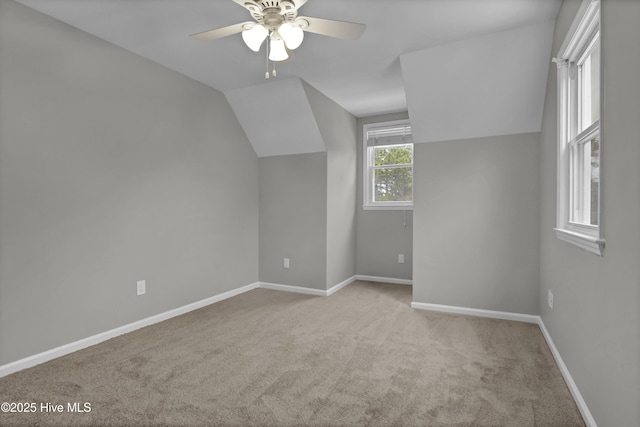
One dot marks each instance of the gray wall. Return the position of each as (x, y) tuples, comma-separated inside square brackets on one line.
[(381, 235), (293, 219), (476, 223), (338, 129), (594, 322), (113, 169), (307, 208)]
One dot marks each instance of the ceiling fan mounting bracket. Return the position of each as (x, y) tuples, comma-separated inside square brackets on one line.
[(262, 10)]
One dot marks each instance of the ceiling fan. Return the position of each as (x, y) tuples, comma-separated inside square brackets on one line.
[(278, 20)]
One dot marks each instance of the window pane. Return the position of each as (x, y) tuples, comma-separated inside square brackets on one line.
[(393, 155), (393, 184), (595, 177), (590, 88), (585, 181), (576, 160)]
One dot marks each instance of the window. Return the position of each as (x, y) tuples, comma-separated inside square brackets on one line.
[(388, 165), (579, 211)]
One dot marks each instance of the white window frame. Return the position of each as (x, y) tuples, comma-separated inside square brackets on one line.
[(584, 30), (368, 177)]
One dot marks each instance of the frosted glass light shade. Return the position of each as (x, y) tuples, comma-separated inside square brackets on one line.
[(254, 37), (278, 51), (292, 35)]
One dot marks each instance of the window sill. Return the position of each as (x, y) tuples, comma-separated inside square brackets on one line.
[(589, 243), (387, 208)]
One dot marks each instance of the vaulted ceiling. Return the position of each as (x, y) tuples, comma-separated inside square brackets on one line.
[(430, 57)]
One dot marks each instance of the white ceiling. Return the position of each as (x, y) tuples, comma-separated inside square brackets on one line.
[(364, 76)]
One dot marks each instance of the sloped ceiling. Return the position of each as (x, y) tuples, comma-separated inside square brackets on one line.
[(389, 69), (277, 118), (485, 86)]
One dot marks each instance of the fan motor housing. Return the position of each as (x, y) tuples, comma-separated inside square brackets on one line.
[(271, 18)]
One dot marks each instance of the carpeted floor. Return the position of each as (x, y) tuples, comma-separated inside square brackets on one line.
[(359, 357)]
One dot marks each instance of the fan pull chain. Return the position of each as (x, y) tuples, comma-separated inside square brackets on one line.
[(266, 74), (273, 73)]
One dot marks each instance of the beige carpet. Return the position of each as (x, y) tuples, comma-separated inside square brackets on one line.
[(359, 357)]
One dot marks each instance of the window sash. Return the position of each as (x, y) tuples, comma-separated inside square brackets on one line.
[(581, 182), (575, 179), (583, 84), (580, 176), (587, 135), (380, 136), (372, 175)]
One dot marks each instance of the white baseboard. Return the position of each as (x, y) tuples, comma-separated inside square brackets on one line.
[(384, 279), (528, 318), (54, 353), (63, 350), (573, 388), (308, 291), (341, 285), (296, 289)]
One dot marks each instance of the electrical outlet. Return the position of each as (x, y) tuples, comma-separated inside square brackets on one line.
[(286, 263), (141, 287), (550, 299), (400, 258)]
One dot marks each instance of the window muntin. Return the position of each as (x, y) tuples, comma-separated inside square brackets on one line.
[(388, 161)]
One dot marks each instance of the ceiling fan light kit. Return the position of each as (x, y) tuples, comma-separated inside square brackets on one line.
[(278, 20), (277, 51), (292, 35), (254, 36)]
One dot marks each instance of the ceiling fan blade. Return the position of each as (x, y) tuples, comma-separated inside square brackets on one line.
[(218, 33), (250, 5), (331, 28)]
